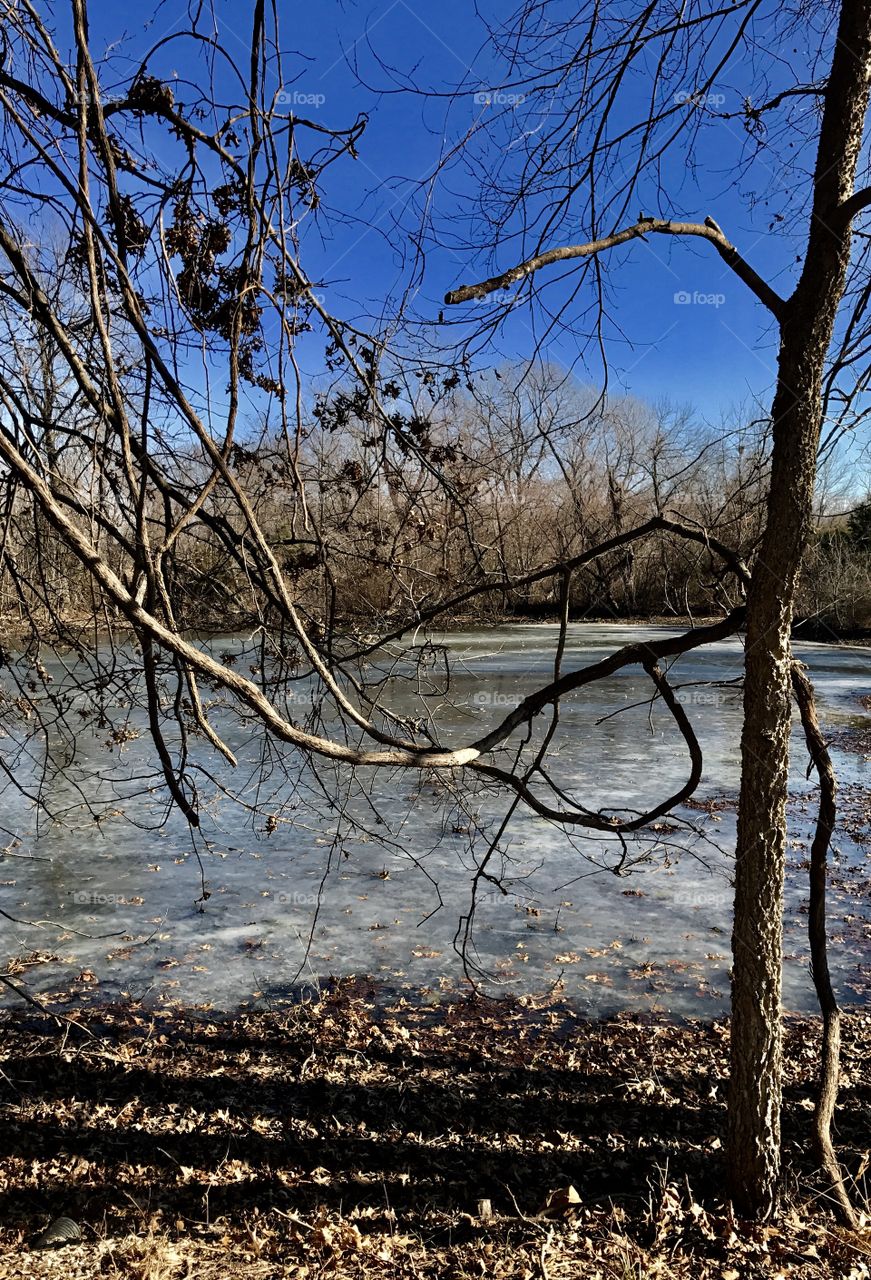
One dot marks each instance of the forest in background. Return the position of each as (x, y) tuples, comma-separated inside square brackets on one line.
[(534, 468)]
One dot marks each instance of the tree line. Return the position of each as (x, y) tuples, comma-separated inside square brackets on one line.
[(534, 469)]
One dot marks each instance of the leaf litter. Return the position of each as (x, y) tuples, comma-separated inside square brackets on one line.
[(411, 1135)]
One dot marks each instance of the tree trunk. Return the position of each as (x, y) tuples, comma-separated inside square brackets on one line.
[(806, 331)]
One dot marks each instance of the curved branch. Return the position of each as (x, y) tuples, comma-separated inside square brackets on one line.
[(644, 226), (642, 654), (583, 817), (858, 201), (645, 655), (831, 1014), (404, 753)]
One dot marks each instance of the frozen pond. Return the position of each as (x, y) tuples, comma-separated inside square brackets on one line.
[(311, 877)]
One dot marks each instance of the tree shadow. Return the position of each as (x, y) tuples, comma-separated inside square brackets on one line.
[(346, 1107)]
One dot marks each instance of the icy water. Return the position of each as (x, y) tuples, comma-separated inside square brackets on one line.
[(380, 884)]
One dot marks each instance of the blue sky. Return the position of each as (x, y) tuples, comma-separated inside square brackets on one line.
[(690, 329)]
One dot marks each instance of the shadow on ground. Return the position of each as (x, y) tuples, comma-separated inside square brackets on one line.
[(403, 1115)]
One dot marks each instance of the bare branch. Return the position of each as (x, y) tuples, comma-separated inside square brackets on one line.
[(827, 1096), (708, 230)]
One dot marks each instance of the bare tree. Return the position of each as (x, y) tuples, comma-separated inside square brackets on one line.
[(182, 209), (578, 154)]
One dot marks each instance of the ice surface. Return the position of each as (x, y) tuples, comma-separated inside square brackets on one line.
[(121, 901)]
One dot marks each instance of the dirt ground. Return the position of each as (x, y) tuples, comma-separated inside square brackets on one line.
[(436, 1139)]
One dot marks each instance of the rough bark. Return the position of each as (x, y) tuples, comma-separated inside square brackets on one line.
[(806, 330), (806, 322)]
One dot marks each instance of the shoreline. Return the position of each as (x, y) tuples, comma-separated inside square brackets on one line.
[(813, 633)]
